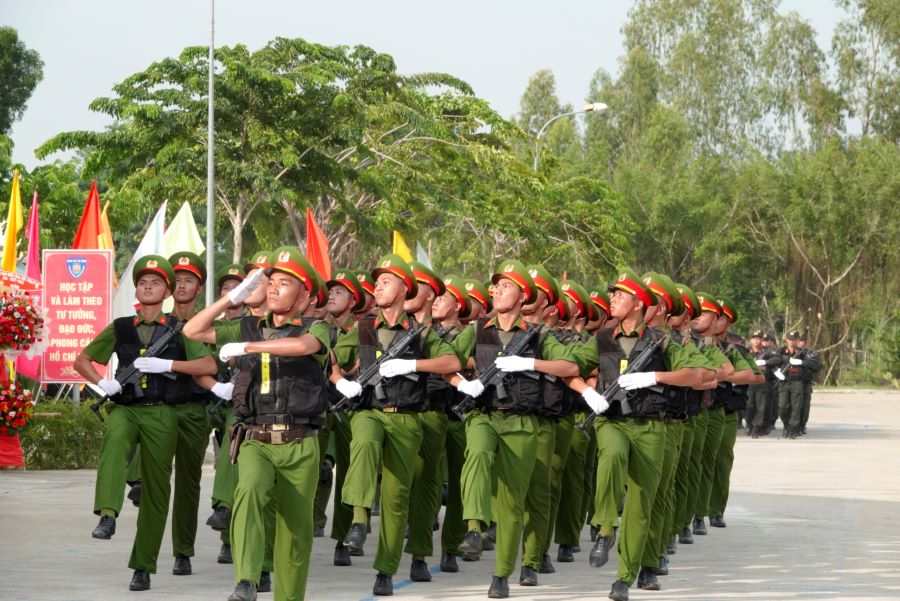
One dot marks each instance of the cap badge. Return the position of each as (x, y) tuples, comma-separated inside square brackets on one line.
[(184, 261), (340, 276), (470, 286), (284, 257), (152, 264), (533, 273), (622, 277), (509, 267), (386, 263), (233, 271)]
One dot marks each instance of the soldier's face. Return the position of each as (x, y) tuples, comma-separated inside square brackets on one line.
[(187, 287), (755, 342), (285, 294), (389, 289), (622, 304), (476, 312), (339, 300), (367, 308), (801, 344), (507, 295), (722, 324), (676, 321), (227, 286), (151, 289), (258, 296), (424, 294), (703, 322), (444, 306)]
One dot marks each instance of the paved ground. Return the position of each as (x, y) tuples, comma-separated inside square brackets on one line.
[(812, 519)]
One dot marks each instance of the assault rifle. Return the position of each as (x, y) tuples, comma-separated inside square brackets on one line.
[(614, 392), (514, 348), (215, 410), (132, 375), (371, 376)]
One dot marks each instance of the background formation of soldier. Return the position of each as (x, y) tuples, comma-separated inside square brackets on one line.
[(531, 407)]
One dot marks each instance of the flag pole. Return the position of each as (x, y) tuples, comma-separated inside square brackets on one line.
[(210, 166)]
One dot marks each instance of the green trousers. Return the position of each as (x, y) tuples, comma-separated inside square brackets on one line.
[(538, 499), (508, 439), (701, 426), (629, 450), (425, 492), (155, 428), (664, 503), (570, 517), (714, 431), (286, 474), (193, 438), (341, 515), (453, 529), (680, 515), (562, 442), (392, 439), (790, 403), (757, 404), (718, 497), (323, 491)]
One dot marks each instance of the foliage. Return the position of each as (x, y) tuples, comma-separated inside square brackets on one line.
[(70, 440), (21, 70)]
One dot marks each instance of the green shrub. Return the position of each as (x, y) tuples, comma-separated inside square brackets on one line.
[(70, 440)]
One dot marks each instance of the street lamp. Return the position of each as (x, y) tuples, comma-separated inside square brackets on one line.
[(594, 107)]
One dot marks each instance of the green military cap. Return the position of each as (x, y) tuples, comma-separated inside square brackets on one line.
[(260, 260), (628, 281), (347, 279), (544, 281), (365, 280), (397, 267), (289, 260), (793, 335), (665, 289), (456, 286), (757, 334), (690, 299), (708, 303), (189, 262), (426, 275), (561, 306), (229, 272), (600, 298), (154, 264), (479, 292), (728, 308), (579, 296), (516, 272), (321, 289)]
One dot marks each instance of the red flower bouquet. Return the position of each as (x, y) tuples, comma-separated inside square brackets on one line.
[(16, 408)]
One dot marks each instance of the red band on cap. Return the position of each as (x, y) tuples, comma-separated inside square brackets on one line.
[(662, 294), (542, 284), (577, 300), (457, 294), (728, 312), (400, 274), (476, 294), (350, 288), (690, 306), (519, 280), (424, 278), (293, 269), (632, 287), (601, 302), (190, 269), (708, 305), (563, 309)]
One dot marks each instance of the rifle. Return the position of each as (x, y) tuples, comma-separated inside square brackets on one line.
[(370, 375), (614, 390), (215, 409), (513, 349), (132, 375)]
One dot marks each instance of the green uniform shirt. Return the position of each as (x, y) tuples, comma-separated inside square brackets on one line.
[(740, 361), (714, 354), (675, 355), (103, 346), (230, 331), (346, 350), (550, 349)]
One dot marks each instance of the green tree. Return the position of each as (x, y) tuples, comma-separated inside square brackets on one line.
[(21, 70)]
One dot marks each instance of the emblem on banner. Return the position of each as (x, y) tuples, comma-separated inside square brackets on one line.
[(76, 266)]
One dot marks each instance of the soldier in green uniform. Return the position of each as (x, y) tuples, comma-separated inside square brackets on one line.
[(790, 389), (630, 433), (811, 366), (746, 373), (385, 423), (501, 429), (279, 401), (144, 411)]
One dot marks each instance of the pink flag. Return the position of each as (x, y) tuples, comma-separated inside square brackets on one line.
[(31, 368)]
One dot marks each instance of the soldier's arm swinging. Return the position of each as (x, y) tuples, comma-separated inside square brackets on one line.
[(84, 366), (287, 347), (200, 326)]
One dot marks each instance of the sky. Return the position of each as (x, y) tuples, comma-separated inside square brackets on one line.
[(495, 45)]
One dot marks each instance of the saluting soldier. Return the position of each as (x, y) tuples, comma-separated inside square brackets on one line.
[(143, 412)]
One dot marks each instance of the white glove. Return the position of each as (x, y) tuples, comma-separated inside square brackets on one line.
[(640, 379), (472, 388), (513, 363), (243, 290), (779, 374), (232, 349), (596, 401), (761, 362), (223, 390), (795, 361), (397, 367), (153, 365), (110, 387), (348, 388)]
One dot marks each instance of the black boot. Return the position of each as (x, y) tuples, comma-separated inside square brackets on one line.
[(716, 521), (134, 494), (418, 571), (564, 554), (619, 591), (600, 552), (356, 538), (182, 566), (105, 528), (499, 588), (342, 555), (593, 534), (220, 519), (546, 565), (699, 527), (489, 537), (528, 576), (140, 581), (663, 569), (265, 583), (318, 531), (671, 548), (244, 591), (224, 554), (647, 579), (384, 585), (472, 544), (685, 538), (448, 563)]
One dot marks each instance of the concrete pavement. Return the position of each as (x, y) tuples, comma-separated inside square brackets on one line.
[(812, 519)]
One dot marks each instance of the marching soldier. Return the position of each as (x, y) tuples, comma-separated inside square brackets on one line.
[(143, 411), (811, 366), (759, 396), (790, 389)]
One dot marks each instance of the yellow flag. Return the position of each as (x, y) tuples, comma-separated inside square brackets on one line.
[(400, 248), (15, 221)]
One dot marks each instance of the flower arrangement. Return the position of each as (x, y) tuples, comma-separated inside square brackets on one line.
[(22, 324), (16, 408)]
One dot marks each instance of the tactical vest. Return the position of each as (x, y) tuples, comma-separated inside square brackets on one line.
[(156, 387), (792, 373), (292, 392), (521, 392), (332, 392), (555, 403), (403, 392), (676, 396), (441, 395), (644, 402)]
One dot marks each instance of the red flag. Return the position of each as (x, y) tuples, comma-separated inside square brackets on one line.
[(90, 228), (31, 368), (317, 246)]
